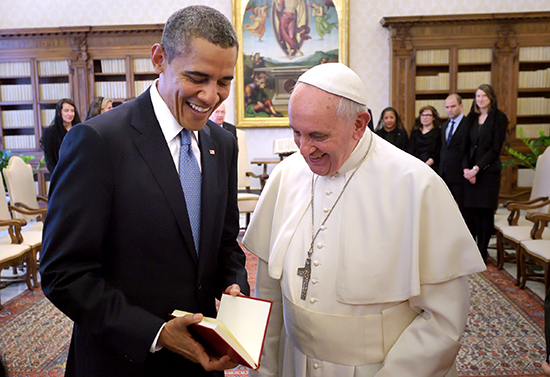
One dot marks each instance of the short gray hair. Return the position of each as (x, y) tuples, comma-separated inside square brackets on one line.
[(196, 21), (348, 109)]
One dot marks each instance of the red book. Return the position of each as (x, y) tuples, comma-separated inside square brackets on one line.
[(238, 330)]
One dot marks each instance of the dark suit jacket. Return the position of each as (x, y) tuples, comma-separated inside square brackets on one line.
[(483, 144), (118, 254), (450, 158), (51, 142), (371, 122), (231, 128)]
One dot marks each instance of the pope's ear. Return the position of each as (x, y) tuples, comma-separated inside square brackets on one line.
[(361, 123), (158, 58)]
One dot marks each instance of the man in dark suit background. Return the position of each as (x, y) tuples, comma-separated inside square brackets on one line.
[(453, 134), (119, 253), (218, 117)]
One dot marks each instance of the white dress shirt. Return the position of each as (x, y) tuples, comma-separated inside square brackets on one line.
[(456, 121), (171, 128)]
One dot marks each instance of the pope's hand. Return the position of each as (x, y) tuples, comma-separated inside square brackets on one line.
[(176, 338)]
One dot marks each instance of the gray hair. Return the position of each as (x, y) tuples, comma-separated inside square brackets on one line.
[(196, 21), (348, 109)]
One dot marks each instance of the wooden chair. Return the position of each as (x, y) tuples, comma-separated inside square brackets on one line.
[(13, 253), (246, 200), (22, 192), (517, 228), (15, 250), (535, 250), (31, 239), (23, 202)]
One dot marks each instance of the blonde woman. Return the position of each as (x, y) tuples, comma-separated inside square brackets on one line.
[(99, 105)]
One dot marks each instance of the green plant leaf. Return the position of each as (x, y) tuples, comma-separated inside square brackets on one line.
[(536, 147)]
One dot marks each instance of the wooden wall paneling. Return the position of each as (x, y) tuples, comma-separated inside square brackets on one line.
[(79, 46), (504, 33)]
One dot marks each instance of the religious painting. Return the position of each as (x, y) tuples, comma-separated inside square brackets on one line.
[(279, 40)]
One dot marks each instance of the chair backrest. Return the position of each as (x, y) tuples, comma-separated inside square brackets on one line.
[(21, 188), (5, 213), (243, 181), (541, 181)]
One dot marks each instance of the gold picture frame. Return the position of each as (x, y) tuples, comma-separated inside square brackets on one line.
[(278, 41)]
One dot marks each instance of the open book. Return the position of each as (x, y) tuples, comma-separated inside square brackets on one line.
[(238, 330)]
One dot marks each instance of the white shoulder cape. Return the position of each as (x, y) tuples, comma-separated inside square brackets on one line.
[(402, 226)]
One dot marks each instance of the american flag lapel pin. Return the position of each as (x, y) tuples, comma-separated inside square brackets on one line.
[(212, 152)]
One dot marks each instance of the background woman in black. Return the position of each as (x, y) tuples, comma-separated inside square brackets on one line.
[(481, 163), (425, 140), (66, 116), (390, 127)]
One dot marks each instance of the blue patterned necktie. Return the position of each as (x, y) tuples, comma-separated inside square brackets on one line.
[(450, 134), (190, 178)]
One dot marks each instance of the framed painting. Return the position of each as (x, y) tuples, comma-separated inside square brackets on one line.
[(279, 40)]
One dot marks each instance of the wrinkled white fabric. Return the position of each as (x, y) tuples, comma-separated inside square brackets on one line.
[(396, 235)]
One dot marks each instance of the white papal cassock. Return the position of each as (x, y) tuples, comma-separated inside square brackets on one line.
[(388, 294)]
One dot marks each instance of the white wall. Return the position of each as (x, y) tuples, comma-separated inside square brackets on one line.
[(369, 42)]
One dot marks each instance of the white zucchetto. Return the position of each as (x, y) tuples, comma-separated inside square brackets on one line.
[(338, 79)]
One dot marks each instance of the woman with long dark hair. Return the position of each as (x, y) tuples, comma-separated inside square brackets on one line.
[(66, 116), (482, 166), (390, 128)]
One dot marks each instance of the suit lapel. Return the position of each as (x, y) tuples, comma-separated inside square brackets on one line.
[(152, 147), (444, 133), (209, 162), (483, 131), (457, 132)]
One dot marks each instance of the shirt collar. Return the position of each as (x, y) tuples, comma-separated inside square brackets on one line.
[(168, 124), (360, 150), (458, 119)]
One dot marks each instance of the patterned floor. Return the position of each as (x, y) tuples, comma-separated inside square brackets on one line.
[(504, 335), (503, 338)]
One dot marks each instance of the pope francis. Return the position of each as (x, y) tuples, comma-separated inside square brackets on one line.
[(361, 247)]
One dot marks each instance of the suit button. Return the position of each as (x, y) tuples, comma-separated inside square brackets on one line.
[(200, 286)]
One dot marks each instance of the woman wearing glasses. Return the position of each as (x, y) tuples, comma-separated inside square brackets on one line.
[(425, 140)]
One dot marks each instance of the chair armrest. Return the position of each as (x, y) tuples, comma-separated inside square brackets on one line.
[(14, 229), (516, 207), (536, 216), (525, 202), (250, 174), (26, 210), (540, 223), (510, 198), (42, 198)]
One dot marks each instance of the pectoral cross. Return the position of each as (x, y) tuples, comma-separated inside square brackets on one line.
[(305, 273)]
